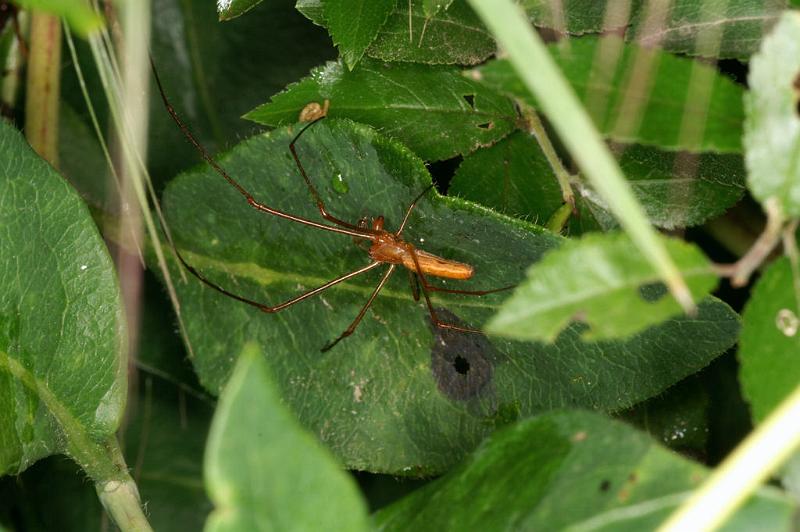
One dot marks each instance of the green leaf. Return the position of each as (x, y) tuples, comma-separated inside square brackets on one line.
[(738, 25), (452, 36), (432, 7), (512, 177), (62, 334), (353, 24), (263, 471), (769, 342), (433, 110), (230, 9), (600, 280), (772, 128), (77, 13), (676, 190), (568, 471), (397, 396), (653, 116)]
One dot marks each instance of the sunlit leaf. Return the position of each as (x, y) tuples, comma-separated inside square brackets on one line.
[(569, 471), (601, 280), (626, 110), (772, 129), (433, 110), (263, 471), (62, 357), (398, 395)]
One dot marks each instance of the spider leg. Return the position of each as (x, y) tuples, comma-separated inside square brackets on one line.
[(320, 205), (425, 288), (363, 311), (277, 308), (347, 229), (469, 292), (414, 282), (411, 208)]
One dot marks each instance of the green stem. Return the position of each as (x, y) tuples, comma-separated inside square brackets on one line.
[(42, 93), (103, 462), (121, 500), (536, 129), (541, 76)]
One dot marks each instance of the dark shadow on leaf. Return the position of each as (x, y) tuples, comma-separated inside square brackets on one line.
[(462, 363)]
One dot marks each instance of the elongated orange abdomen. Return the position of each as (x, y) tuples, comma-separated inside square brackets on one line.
[(430, 264)]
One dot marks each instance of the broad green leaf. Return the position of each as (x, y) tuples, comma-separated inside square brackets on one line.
[(625, 112), (452, 36), (77, 13), (263, 471), (676, 190), (433, 110), (353, 24), (600, 280), (512, 177), (229, 9), (772, 128), (769, 343), (569, 471), (62, 337), (740, 24), (432, 7), (397, 396)]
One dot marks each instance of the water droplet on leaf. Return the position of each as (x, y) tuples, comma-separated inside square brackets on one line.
[(339, 184)]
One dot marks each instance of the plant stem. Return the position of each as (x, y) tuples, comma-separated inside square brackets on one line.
[(536, 128), (121, 501), (741, 270), (43, 87), (538, 71)]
